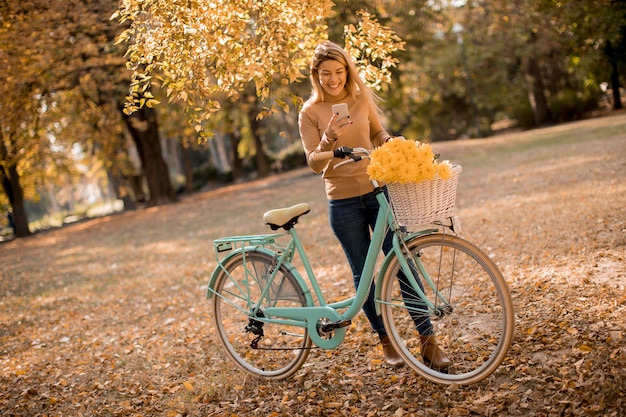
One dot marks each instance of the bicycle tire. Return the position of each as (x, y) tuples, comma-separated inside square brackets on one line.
[(283, 348), (475, 330)]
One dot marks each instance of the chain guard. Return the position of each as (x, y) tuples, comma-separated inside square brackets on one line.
[(325, 340)]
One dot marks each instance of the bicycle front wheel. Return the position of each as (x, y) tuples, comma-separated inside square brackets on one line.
[(257, 344), (472, 317)]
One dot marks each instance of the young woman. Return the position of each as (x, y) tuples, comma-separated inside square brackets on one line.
[(352, 202)]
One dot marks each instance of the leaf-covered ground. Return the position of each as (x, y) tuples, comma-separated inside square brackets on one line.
[(108, 317)]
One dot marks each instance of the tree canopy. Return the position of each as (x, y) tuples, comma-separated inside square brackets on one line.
[(71, 66), (198, 51), (202, 51)]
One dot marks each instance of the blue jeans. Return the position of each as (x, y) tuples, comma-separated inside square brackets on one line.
[(352, 220)]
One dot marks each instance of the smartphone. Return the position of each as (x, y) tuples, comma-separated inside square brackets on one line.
[(340, 109)]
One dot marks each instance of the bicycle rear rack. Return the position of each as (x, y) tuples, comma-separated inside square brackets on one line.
[(230, 243)]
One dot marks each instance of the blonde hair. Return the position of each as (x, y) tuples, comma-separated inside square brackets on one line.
[(328, 50)]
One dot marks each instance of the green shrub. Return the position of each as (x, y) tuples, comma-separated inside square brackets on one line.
[(568, 105)]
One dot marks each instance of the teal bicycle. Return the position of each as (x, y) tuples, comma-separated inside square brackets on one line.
[(268, 315)]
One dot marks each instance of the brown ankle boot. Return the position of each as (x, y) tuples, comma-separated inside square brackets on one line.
[(433, 355), (392, 358)]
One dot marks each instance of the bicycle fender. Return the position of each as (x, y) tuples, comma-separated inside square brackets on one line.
[(218, 269)]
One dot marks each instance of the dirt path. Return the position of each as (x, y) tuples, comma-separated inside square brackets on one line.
[(108, 317)]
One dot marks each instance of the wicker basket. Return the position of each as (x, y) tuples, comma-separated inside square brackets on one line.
[(416, 204)]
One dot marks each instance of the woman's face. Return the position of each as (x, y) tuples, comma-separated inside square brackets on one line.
[(332, 76)]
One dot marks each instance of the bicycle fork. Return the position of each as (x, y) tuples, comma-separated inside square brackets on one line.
[(413, 268)]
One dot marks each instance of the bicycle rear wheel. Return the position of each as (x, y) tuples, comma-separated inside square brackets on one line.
[(266, 348), (473, 318)]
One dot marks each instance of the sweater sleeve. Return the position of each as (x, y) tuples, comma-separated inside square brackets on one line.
[(313, 138), (378, 134)]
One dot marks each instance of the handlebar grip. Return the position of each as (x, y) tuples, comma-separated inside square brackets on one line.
[(342, 152)]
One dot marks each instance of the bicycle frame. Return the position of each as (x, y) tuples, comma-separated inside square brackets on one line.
[(314, 317), (263, 304)]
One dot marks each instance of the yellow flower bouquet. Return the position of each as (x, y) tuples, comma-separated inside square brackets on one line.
[(421, 189), (404, 161)]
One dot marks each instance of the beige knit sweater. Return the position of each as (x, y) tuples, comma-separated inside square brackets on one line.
[(366, 131)]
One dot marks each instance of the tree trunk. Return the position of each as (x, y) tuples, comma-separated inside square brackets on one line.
[(237, 163), (120, 190), (187, 167), (536, 90), (262, 165), (252, 112), (536, 93), (617, 99), (144, 129), (13, 189), (220, 153), (613, 58)]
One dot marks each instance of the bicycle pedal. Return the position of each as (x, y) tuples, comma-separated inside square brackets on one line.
[(328, 327)]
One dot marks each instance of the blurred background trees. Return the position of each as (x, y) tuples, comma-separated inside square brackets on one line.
[(213, 95)]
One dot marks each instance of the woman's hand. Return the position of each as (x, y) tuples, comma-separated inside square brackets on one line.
[(336, 126)]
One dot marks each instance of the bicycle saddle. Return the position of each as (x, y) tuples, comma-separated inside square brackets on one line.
[(285, 217)]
